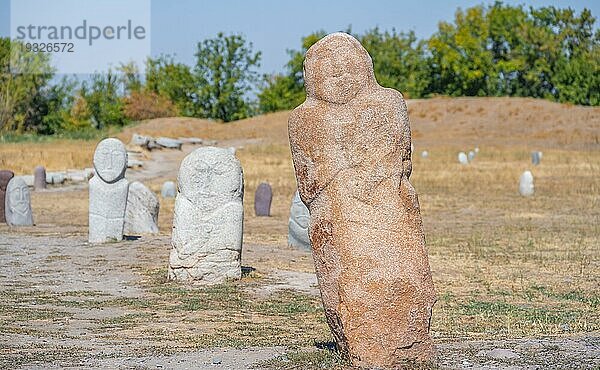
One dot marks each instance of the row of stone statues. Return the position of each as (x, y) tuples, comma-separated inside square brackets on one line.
[(206, 178)]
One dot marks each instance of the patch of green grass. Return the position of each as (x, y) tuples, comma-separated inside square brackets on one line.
[(126, 321), (489, 310), (573, 295), (307, 360), (502, 319), (288, 303), (62, 356), (88, 135), (31, 313)]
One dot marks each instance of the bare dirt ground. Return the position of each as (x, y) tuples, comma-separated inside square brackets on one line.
[(517, 278)]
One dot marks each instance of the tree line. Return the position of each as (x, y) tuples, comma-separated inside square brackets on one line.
[(495, 50)]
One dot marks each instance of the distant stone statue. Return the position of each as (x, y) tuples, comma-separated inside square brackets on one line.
[(425, 154), (108, 192), (18, 203), (298, 224), (536, 158), (526, 184), (462, 158), (262, 200), (39, 178), (5, 176), (351, 149), (141, 213), (169, 190), (471, 156), (208, 218)]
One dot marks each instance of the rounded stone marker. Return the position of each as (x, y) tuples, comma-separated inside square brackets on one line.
[(141, 213), (536, 158), (39, 178), (462, 158), (471, 156), (298, 224), (262, 200), (526, 184), (425, 154), (5, 176), (168, 190), (18, 203), (351, 148)]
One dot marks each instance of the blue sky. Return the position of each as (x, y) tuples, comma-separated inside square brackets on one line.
[(274, 26)]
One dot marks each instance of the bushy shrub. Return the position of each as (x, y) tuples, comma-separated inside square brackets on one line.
[(142, 105)]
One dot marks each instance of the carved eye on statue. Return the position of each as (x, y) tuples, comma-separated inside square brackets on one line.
[(203, 166), (221, 168), (206, 228)]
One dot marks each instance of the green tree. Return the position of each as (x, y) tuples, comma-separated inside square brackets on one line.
[(50, 108), (104, 100), (225, 74), (286, 91), (461, 62), (546, 53), (399, 61), (173, 81), (575, 69), (130, 77), (23, 76)]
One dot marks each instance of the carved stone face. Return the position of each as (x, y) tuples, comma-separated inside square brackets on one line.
[(210, 175), (337, 68), (18, 197), (110, 160)]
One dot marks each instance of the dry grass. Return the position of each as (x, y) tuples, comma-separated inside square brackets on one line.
[(503, 265), (22, 158)]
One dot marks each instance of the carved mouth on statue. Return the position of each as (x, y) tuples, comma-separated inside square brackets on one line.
[(22, 210), (208, 194)]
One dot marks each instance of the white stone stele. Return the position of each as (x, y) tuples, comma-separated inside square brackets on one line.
[(471, 156), (168, 190), (298, 224), (425, 154), (108, 192), (526, 188), (536, 157), (462, 158), (141, 213), (17, 204), (208, 218)]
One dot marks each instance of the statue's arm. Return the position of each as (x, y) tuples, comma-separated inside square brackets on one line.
[(302, 147)]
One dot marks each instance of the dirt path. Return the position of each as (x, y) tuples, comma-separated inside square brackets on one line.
[(165, 163)]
